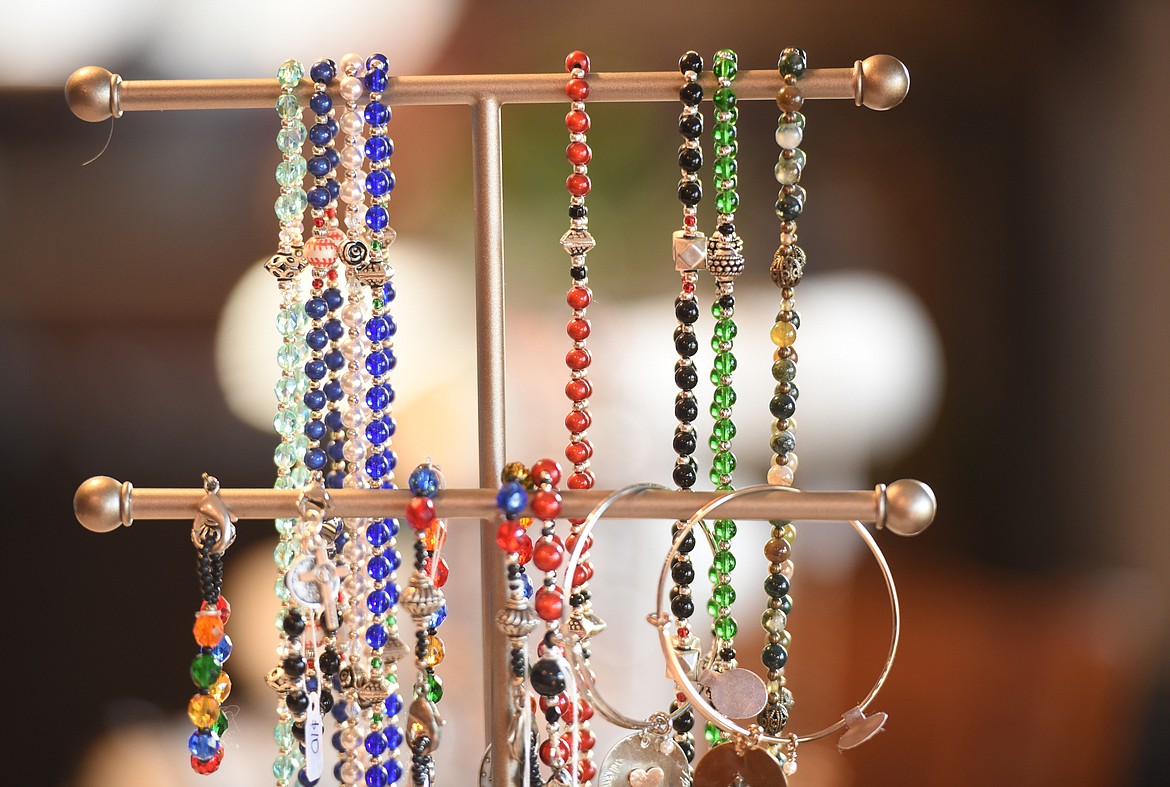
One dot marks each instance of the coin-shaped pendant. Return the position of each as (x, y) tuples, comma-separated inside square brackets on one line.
[(723, 766), (737, 693), (644, 761)]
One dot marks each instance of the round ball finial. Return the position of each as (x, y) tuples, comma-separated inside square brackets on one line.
[(910, 507), (885, 82), (92, 94), (98, 504)]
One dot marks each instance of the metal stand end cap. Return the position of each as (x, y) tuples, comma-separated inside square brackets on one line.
[(92, 94), (910, 507), (100, 504), (884, 82)]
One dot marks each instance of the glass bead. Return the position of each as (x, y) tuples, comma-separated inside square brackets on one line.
[(789, 135), (787, 172), (378, 533), (725, 168), (352, 772), (435, 651), (290, 174), (203, 744), (723, 134), (725, 330), (221, 689), (285, 423), (221, 725), (724, 562), (727, 202), (284, 554), (288, 357), (291, 206), (282, 593), (723, 594), (203, 710), (725, 627), (784, 370), (434, 687), (712, 733), (299, 476), (288, 106), (724, 529), (379, 602), (284, 767), (377, 776), (724, 463), (725, 363), (379, 567), (376, 743), (292, 137), (204, 670), (725, 64), (724, 397), (723, 430), (223, 651), (773, 621), (208, 629), (290, 73), (783, 334), (283, 735), (774, 656), (288, 322)]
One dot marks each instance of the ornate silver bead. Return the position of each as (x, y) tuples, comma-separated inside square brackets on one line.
[(690, 252), (516, 620), (421, 598), (354, 253), (577, 242), (372, 274), (725, 257), (285, 267), (788, 266)]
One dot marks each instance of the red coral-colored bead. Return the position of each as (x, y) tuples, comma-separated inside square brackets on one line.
[(578, 184), (549, 603), (577, 121), (690, 221), (546, 467), (587, 739), (586, 770), (577, 59), (578, 329), (225, 609), (578, 390), (546, 504), (577, 89), (571, 543), (582, 479), (582, 574), (420, 512), (578, 153), (579, 297), (578, 421), (578, 358), (508, 536), (563, 750), (548, 554), (579, 451), (585, 710)]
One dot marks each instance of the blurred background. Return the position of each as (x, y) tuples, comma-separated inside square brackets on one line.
[(985, 310)]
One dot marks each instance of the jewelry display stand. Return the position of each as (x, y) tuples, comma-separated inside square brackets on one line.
[(102, 504)]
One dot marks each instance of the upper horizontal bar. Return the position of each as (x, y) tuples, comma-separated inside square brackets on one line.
[(906, 507), (95, 94)]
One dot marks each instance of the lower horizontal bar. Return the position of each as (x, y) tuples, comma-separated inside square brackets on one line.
[(906, 507)]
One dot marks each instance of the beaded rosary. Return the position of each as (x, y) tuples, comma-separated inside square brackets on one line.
[(787, 270), (690, 256)]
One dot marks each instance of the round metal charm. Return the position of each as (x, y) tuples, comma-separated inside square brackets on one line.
[(644, 761), (723, 766), (354, 253), (737, 693)]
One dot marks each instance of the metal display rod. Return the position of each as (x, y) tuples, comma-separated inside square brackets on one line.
[(878, 82), (906, 507)]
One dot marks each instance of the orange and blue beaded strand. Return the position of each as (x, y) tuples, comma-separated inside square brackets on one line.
[(787, 270), (690, 256), (424, 601), (212, 535)]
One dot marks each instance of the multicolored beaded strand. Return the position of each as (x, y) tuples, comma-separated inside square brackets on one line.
[(354, 253), (517, 619), (725, 262), (212, 534), (381, 688), (690, 256), (787, 270), (285, 265), (423, 599)]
